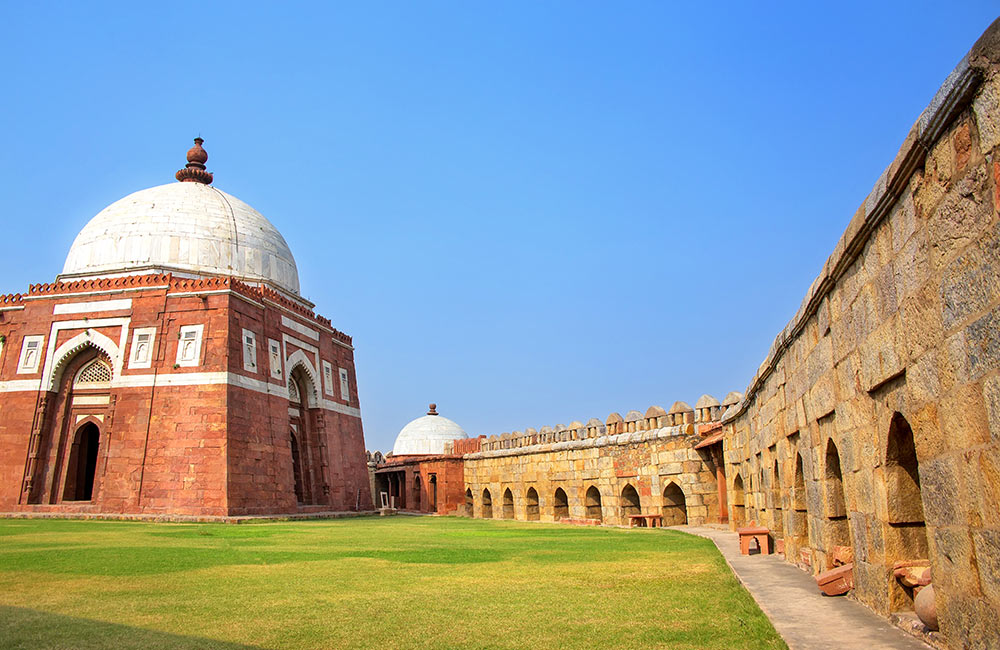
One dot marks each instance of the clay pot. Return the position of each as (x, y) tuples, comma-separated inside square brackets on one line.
[(925, 607)]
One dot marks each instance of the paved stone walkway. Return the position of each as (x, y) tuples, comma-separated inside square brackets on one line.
[(805, 619)]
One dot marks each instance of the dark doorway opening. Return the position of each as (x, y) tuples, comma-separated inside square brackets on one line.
[(297, 470), (82, 467)]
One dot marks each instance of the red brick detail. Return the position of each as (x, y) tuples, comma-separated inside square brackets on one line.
[(467, 445)]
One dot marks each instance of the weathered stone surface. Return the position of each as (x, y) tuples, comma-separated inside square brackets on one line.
[(991, 397), (986, 107)]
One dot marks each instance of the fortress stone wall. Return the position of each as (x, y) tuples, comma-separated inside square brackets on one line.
[(868, 441), (602, 472), (872, 429)]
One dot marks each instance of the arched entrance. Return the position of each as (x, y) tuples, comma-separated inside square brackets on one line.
[(84, 398), (307, 473), (469, 504), (508, 504), (487, 504), (592, 503), (81, 468), (416, 492), (531, 504), (674, 506), (560, 504), (629, 503)]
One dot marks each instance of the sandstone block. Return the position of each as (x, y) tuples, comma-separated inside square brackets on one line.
[(986, 107), (991, 398)]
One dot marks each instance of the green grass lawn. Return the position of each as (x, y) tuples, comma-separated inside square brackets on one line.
[(395, 582)]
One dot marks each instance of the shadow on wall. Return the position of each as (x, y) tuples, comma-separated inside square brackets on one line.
[(28, 628)]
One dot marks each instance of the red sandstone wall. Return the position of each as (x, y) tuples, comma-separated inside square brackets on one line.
[(260, 461), (205, 449), (467, 445), (450, 484)]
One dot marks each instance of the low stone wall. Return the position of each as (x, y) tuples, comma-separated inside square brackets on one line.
[(648, 462)]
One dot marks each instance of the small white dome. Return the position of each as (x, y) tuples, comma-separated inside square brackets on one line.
[(187, 227), (427, 435)]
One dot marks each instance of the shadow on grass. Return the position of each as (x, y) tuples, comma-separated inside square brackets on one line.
[(32, 629)]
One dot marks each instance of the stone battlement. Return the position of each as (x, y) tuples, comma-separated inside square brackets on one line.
[(585, 443), (681, 417)]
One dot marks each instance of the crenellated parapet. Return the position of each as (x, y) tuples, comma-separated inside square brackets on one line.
[(680, 420), (11, 299), (100, 284)]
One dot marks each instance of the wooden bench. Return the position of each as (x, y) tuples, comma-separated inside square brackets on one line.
[(644, 521)]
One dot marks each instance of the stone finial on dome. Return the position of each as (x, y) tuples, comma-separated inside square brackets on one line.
[(194, 170), (432, 409)]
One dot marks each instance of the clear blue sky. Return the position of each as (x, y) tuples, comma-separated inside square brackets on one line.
[(527, 212)]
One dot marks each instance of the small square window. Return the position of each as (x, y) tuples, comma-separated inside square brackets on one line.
[(189, 345)]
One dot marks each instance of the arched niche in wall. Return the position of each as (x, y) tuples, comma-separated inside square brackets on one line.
[(739, 501), (487, 504), (531, 504), (630, 504), (592, 503), (834, 499), (674, 509), (800, 511), (777, 507), (508, 504), (906, 534), (560, 504)]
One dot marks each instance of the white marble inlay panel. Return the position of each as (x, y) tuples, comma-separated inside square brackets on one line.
[(92, 307), (91, 400), (299, 327)]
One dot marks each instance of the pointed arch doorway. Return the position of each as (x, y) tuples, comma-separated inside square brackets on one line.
[(306, 476), (81, 468)]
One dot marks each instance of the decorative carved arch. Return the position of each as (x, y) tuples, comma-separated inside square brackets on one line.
[(65, 352), (298, 359)]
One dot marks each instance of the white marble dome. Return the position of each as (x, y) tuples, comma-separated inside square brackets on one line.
[(427, 435), (190, 228)]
